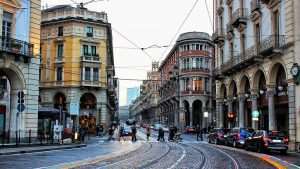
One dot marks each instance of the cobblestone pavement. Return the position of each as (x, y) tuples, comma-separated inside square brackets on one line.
[(188, 154)]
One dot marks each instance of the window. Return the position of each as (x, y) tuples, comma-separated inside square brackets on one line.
[(59, 73), (94, 50), (187, 63), (197, 46), (87, 75), (201, 62), (60, 50), (86, 50), (198, 63), (276, 27), (197, 84), (194, 63), (257, 35), (206, 64), (186, 82), (60, 31), (89, 31), (243, 43), (207, 85), (95, 74), (7, 24)]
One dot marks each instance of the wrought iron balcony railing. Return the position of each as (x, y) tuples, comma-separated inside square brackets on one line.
[(272, 44), (239, 17), (16, 47), (90, 58)]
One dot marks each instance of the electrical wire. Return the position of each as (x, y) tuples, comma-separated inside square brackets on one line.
[(210, 20), (180, 27)]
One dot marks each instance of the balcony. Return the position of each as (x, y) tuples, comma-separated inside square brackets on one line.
[(217, 74), (89, 34), (59, 60), (17, 48), (90, 58), (239, 17), (90, 83), (218, 37), (187, 70), (274, 44), (192, 92), (241, 61)]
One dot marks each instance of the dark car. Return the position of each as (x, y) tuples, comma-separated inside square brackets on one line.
[(190, 129), (263, 141), (236, 137), (126, 131), (216, 135)]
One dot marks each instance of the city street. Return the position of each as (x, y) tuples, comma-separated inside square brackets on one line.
[(102, 154)]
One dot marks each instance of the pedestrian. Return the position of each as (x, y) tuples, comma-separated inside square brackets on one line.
[(133, 131), (198, 131), (161, 134), (201, 134), (171, 133), (110, 133), (116, 133), (97, 130), (121, 131), (148, 132), (101, 129)]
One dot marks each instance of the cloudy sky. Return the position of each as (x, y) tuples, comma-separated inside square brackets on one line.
[(143, 23)]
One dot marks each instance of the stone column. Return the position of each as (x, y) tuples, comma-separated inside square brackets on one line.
[(191, 116), (230, 109), (271, 107), (254, 108), (242, 99), (220, 115)]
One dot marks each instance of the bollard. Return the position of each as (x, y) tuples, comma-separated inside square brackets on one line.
[(16, 138)]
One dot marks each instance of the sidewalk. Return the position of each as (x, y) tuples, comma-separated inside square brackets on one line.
[(37, 148)]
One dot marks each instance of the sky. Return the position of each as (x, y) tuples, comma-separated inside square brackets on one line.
[(143, 23)]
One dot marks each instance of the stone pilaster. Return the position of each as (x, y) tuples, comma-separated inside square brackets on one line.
[(271, 107), (242, 99), (254, 108)]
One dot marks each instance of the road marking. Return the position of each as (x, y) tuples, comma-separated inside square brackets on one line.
[(180, 159), (272, 162), (298, 167)]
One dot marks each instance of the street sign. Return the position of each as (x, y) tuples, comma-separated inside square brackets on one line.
[(21, 107), (74, 108)]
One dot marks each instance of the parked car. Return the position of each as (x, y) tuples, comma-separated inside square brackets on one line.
[(126, 131), (217, 135), (190, 129), (263, 141), (236, 137)]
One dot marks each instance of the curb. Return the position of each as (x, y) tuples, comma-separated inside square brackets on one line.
[(275, 162), (44, 149)]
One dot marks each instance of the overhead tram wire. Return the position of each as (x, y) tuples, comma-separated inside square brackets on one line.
[(180, 27), (210, 20), (134, 44)]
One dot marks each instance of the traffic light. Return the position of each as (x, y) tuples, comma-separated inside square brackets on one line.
[(20, 97)]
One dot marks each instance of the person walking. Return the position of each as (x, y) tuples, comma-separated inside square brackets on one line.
[(171, 133), (133, 131), (161, 134), (110, 133), (121, 131), (198, 131), (148, 132)]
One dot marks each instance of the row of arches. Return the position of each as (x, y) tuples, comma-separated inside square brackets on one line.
[(267, 95), (194, 113)]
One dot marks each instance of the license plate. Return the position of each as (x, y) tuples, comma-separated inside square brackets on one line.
[(276, 141)]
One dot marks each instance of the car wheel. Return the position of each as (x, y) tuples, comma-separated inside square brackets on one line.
[(246, 147), (283, 152)]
